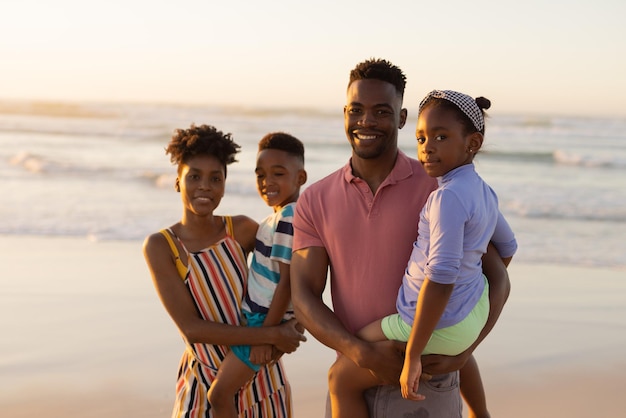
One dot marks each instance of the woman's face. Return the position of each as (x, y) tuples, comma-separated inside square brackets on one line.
[(201, 180)]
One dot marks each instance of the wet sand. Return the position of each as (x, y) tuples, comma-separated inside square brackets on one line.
[(84, 335)]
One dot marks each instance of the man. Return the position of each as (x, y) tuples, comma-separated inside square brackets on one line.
[(361, 221)]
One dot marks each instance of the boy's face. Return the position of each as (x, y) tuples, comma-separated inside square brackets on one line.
[(279, 176)]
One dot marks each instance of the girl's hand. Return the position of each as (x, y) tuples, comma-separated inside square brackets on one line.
[(409, 379)]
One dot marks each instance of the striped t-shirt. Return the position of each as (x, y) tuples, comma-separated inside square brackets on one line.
[(273, 245)]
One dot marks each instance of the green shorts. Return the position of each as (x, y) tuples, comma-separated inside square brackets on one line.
[(451, 340)]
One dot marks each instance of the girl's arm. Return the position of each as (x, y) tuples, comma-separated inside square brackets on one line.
[(499, 288), (180, 306), (431, 303)]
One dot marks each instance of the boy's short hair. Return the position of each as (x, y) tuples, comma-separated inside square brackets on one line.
[(284, 142)]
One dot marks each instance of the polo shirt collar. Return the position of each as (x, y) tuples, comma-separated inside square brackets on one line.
[(401, 170)]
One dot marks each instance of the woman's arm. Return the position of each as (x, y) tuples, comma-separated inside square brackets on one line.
[(180, 306)]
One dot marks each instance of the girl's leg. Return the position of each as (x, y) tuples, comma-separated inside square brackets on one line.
[(472, 390), (232, 375)]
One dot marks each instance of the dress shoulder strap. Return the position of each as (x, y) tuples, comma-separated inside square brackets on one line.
[(228, 221), (180, 266)]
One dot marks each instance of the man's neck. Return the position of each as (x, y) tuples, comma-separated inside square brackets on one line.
[(373, 170)]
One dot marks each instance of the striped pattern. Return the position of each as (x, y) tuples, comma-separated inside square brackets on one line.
[(216, 279), (273, 245)]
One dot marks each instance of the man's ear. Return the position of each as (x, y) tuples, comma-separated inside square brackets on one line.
[(403, 116)]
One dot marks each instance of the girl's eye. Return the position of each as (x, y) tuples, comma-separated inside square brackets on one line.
[(440, 137), (421, 139)]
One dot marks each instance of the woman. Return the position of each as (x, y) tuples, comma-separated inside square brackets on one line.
[(199, 270)]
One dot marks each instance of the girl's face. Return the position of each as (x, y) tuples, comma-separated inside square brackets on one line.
[(442, 144), (201, 181)]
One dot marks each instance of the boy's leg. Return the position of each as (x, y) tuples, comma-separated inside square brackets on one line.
[(346, 384), (472, 390), (231, 376)]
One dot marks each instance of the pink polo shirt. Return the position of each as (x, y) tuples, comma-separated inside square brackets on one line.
[(368, 238)]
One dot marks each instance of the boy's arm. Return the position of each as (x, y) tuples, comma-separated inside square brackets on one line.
[(494, 268), (261, 354), (281, 298)]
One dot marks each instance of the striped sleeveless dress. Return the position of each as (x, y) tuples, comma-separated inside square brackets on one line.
[(216, 278)]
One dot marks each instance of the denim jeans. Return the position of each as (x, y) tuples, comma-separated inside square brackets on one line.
[(443, 400)]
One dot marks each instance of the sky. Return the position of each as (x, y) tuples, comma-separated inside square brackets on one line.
[(532, 56)]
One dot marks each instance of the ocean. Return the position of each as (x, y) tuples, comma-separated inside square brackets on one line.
[(100, 171)]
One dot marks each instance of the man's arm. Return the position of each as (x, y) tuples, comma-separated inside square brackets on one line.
[(308, 279), (494, 268)]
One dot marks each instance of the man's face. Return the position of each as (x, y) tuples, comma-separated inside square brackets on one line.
[(372, 116)]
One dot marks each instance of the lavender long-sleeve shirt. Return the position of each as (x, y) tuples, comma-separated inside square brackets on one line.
[(457, 223)]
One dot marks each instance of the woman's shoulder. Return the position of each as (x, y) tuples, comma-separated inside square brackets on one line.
[(243, 221), (157, 240), (244, 231)]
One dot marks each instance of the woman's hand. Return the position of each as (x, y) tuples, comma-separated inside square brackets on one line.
[(289, 337)]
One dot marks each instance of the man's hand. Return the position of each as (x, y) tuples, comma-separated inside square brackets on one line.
[(440, 364), (384, 359)]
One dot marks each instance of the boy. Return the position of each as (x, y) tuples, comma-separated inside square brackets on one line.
[(280, 174)]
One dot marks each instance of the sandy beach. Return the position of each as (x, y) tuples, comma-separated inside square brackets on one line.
[(84, 335)]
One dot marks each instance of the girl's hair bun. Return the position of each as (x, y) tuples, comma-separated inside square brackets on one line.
[(483, 103)]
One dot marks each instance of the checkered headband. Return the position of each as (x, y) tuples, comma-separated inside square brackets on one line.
[(464, 102)]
